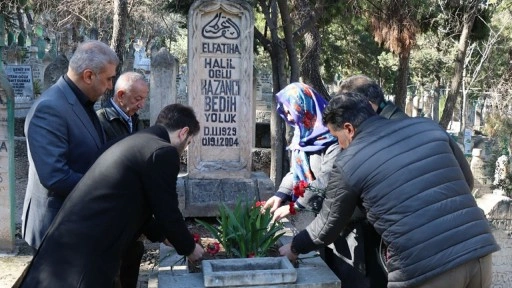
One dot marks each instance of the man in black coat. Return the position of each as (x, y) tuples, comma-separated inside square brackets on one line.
[(132, 181), (119, 118)]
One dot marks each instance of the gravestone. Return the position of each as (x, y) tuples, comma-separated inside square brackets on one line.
[(501, 260), (182, 94), (7, 207), (482, 180), (409, 105), (37, 70), (20, 77), (220, 88), (264, 97), (55, 70), (164, 68)]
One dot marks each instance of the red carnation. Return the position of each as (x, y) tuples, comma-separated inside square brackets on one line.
[(213, 248), (292, 208), (260, 203), (197, 237), (300, 188), (251, 255)]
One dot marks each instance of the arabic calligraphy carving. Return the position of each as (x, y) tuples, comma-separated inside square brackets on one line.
[(221, 26)]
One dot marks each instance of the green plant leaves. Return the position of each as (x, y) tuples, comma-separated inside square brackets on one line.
[(245, 230)]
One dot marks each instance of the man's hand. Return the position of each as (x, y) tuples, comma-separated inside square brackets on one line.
[(285, 250), (273, 203), (281, 212), (197, 254)]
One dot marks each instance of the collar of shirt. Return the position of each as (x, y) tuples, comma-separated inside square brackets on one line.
[(84, 100), (121, 113)]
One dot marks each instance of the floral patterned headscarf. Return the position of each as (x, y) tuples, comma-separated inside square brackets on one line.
[(305, 105)]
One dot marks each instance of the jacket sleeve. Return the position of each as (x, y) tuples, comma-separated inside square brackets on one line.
[(463, 163), (47, 138), (160, 184), (321, 171), (337, 209)]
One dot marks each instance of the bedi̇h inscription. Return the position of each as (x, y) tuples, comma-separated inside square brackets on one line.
[(220, 89)]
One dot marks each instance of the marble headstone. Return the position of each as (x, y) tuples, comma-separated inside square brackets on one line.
[(220, 64), (7, 207)]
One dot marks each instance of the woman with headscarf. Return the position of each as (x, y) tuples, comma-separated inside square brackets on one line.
[(313, 151)]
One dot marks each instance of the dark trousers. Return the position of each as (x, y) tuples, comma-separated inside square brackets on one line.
[(355, 257), (128, 275)]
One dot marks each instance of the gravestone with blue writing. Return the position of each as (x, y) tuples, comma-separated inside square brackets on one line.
[(220, 89), (20, 77)]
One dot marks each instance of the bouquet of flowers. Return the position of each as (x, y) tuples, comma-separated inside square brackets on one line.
[(315, 201)]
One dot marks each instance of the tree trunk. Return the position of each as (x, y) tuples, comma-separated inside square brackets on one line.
[(277, 56), (310, 64), (401, 81), (453, 93), (288, 40), (119, 36), (437, 94)]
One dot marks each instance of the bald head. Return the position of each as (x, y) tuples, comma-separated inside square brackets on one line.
[(131, 92)]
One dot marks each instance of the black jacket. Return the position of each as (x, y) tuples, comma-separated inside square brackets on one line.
[(114, 125), (107, 210), (415, 186)]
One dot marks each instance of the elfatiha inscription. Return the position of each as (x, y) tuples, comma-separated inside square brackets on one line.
[(221, 27)]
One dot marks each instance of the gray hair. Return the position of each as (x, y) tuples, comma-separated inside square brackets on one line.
[(127, 79), (93, 55)]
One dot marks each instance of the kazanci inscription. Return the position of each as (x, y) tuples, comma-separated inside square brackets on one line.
[(220, 87)]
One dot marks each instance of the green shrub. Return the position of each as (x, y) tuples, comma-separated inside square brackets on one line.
[(245, 231)]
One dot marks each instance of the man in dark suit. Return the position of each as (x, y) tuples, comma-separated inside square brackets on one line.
[(64, 135), (118, 119), (130, 183)]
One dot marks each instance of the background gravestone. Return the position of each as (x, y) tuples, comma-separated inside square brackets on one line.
[(54, 70), (7, 210), (20, 77), (37, 70), (162, 92), (502, 261), (220, 89)]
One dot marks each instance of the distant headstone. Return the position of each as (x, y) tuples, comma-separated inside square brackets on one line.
[(264, 97), (482, 180), (182, 94), (37, 70), (20, 77), (164, 68), (7, 206), (467, 141), (141, 61), (409, 107), (54, 70), (502, 261)]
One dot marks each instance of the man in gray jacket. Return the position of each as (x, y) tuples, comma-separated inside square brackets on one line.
[(415, 186)]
